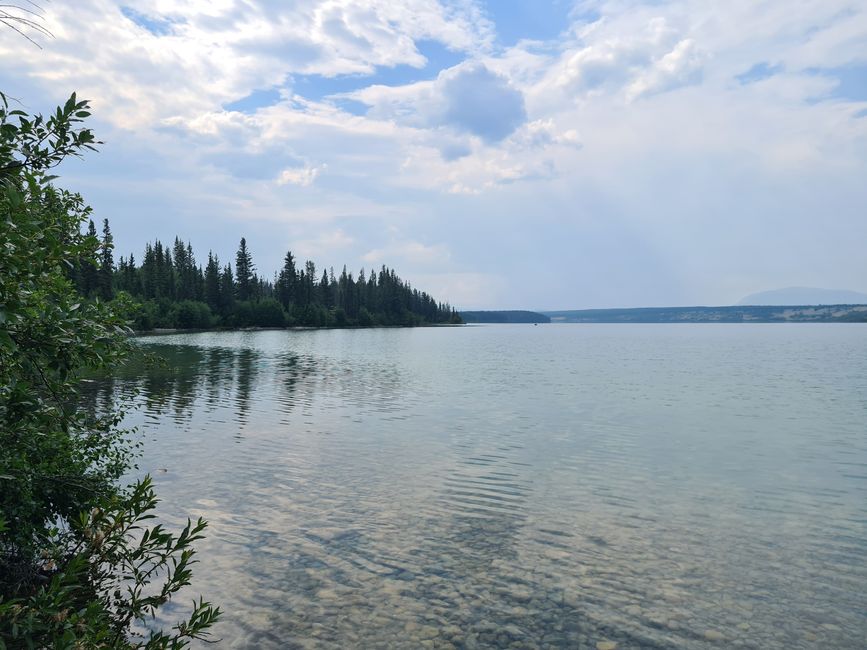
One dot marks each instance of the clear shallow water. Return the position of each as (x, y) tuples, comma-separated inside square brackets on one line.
[(660, 486)]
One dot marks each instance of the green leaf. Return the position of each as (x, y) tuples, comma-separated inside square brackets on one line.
[(6, 341)]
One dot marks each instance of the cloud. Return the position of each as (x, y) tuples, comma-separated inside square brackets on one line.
[(465, 290), (679, 67), (474, 100), (323, 245), (467, 98), (412, 251), (646, 139), (147, 60), (452, 148), (301, 176), (543, 133), (606, 55)]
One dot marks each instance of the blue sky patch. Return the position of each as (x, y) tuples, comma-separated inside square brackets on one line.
[(156, 26), (852, 84), (759, 72), (254, 101), (316, 87), (352, 106), (539, 21)]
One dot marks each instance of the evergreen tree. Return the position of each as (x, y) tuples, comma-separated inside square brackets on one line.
[(177, 293), (148, 273), (325, 291), (184, 284), (132, 279), (227, 292), (212, 282), (106, 268), (244, 272), (88, 275), (287, 281), (309, 283)]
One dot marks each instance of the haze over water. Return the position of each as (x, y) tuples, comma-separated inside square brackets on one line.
[(664, 486)]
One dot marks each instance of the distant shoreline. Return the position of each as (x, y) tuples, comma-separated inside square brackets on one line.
[(698, 314), (727, 314)]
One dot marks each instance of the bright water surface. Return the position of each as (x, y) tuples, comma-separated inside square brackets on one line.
[(658, 486)]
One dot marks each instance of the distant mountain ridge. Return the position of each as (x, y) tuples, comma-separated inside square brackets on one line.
[(805, 296), (736, 314), (507, 316)]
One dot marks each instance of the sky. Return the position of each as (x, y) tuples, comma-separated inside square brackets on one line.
[(501, 155)]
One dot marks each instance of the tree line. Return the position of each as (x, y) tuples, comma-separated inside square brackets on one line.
[(174, 291)]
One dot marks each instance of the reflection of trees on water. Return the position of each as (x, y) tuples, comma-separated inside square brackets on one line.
[(246, 366), (172, 381), (98, 396), (217, 369)]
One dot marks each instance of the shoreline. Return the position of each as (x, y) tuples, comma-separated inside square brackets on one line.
[(166, 331)]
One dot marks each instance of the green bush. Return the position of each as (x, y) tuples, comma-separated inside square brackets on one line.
[(268, 313), (68, 534), (99, 577), (365, 318), (191, 314), (242, 315)]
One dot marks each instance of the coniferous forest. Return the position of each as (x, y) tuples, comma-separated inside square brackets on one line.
[(172, 289)]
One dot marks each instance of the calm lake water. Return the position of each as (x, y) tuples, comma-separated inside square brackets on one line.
[(655, 486)]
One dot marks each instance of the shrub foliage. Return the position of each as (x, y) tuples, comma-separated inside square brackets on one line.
[(81, 565)]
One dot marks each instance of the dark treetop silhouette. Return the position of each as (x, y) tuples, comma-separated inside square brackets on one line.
[(176, 292)]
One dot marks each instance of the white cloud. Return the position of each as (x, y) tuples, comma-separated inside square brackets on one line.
[(626, 55), (323, 245), (681, 66), (542, 133), (628, 138), (465, 290), (468, 98), (301, 176), (408, 251), (216, 52)]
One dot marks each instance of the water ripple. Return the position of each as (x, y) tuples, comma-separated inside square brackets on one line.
[(654, 486)]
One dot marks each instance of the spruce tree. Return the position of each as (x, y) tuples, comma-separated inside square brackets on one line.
[(244, 272), (88, 276), (309, 283), (287, 281), (212, 282), (106, 268), (325, 293), (227, 292)]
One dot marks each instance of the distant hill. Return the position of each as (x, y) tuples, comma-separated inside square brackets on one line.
[(503, 317), (738, 314), (805, 296)]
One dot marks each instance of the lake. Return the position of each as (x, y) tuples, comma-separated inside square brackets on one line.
[(653, 486)]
